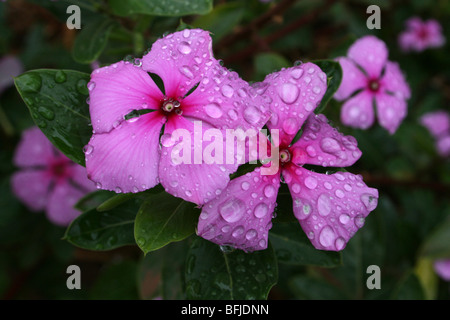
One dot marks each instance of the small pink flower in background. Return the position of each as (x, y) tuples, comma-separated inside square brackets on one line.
[(329, 207), (125, 155), (438, 123), (47, 179), (368, 78), (10, 67), (442, 268), (420, 35)]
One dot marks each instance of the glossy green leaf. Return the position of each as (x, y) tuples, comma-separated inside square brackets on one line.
[(56, 100), (333, 71), (162, 219), (408, 288), (293, 247), (91, 40), (160, 7), (437, 245), (212, 273), (266, 63), (94, 230)]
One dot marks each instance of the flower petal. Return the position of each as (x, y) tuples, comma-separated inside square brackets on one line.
[(391, 111), (10, 67), (31, 187), (126, 159), (61, 201), (226, 101), (241, 215), (181, 59), (34, 149), (323, 145), (116, 90), (394, 81), (437, 122), (357, 112), (443, 146), (352, 79), (370, 53), (293, 95), (330, 208), (442, 268), (80, 178), (187, 169)]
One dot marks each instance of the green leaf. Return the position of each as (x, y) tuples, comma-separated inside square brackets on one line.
[(333, 71), (408, 288), (94, 230), (437, 245), (266, 63), (162, 219), (293, 247), (221, 20), (93, 200), (214, 274), (169, 8), (56, 100), (91, 40)]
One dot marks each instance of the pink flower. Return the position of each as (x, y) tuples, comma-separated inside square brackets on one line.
[(125, 155), (47, 179), (329, 207), (438, 123), (420, 35), (369, 77), (10, 67), (442, 268)]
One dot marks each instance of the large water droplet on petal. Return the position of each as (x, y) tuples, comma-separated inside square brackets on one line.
[(296, 73), (213, 110), (186, 70), (227, 91), (330, 145), (340, 243), (369, 201), (288, 93), (327, 237), (269, 191), (360, 220), (261, 210), (232, 209), (344, 218), (311, 182), (290, 126), (184, 47), (252, 115), (324, 204)]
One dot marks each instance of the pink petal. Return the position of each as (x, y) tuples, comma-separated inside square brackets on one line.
[(10, 67), (442, 268), (181, 59), (370, 53), (198, 177), (61, 201), (226, 101), (357, 112), (437, 122), (79, 177), (352, 79), (394, 81), (126, 159), (34, 149), (436, 38), (241, 215), (443, 146), (323, 145), (330, 208), (391, 111), (31, 187), (117, 90), (293, 95)]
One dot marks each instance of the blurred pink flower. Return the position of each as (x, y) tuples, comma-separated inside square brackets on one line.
[(134, 154), (10, 67), (329, 207), (420, 35), (47, 179), (368, 78), (442, 268), (438, 123)]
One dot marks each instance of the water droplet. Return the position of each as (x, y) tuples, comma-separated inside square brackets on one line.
[(60, 76), (82, 87), (186, 33), (252, 115), (30, 82), (226, 249), (250, 234), (324, 205), (98, 185), (311, 151), (46, 113), (290, 126), (167, 140), (184, 47), (227, 91), (302, 209), (311, 182), (213, 110), (186, 70), (91, 85), (296, 73), (233, 114), (237, 232), (87, 149), (339, 193), (245, 185), (340, 243), (360, 220), (369, 201), (316, 90), (269, 191), (118, 190), (232, 209), (330, 145), (327, 237), (288, 93), (296, 188), (188, 193), (261, 210), (344, 218)]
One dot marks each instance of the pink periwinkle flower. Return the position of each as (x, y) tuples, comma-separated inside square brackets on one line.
[(329, 207), (438, 123), (368, 78), (127, 155), (420, 35), (47, 179), (10, 67), (442, 268)]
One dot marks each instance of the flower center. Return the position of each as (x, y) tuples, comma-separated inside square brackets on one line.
[(285, 156), (59, 169), (422, 33), (171, 105), (373, 85)]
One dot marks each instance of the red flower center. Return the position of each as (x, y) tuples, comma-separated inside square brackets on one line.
[(373, 85), (171, 106)]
